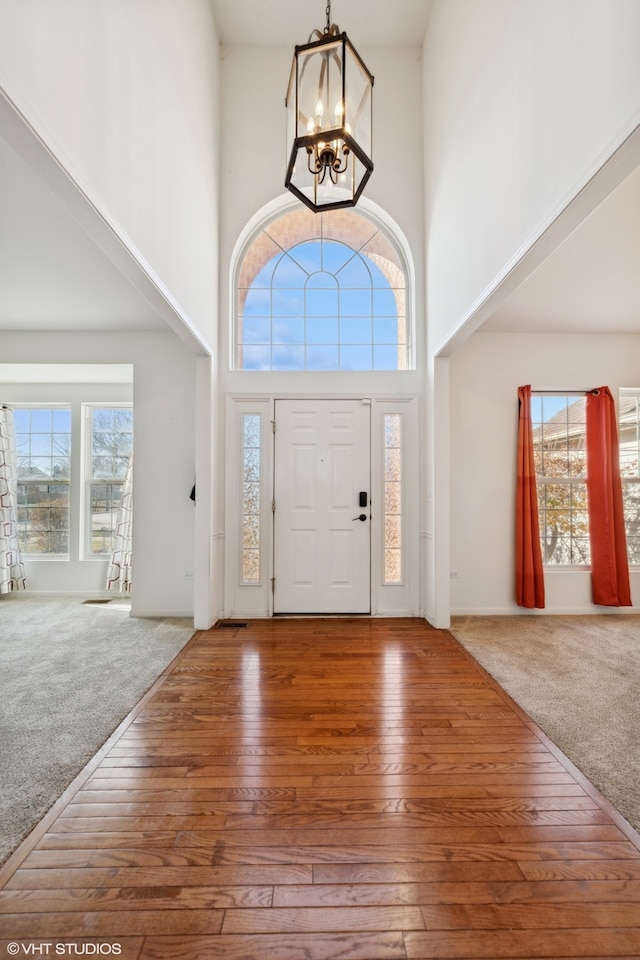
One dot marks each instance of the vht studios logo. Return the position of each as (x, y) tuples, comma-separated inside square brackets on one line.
[(44, 949)]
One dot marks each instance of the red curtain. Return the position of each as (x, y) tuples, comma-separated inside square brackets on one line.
[(609, 567), (529, 570)]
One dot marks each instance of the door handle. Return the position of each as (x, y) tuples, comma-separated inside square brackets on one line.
[(362, 517)]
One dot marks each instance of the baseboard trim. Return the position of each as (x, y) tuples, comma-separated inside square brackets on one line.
[(150, 614), (546, 612)]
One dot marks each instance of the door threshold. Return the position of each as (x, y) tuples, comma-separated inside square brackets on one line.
[(319, 616)]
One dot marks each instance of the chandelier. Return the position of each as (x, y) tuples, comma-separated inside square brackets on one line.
[(329, 121)]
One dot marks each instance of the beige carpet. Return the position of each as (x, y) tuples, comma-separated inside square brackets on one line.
[(578, 678), (69, 673)]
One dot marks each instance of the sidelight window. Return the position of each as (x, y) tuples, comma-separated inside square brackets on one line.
[(392, 498), (251, 479)]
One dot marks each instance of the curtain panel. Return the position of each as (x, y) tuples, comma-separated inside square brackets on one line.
[(529, 569), (12, 576), (609, 565), (119, 572)]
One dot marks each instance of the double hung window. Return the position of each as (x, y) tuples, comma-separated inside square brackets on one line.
[(629, 438), (109, 443), (43, 448), (559, 441), (70, 479)]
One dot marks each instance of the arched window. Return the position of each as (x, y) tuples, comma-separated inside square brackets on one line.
[(323, 291)]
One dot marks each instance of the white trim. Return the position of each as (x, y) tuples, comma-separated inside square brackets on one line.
[(515, 611), (391, 600), (108, 235)]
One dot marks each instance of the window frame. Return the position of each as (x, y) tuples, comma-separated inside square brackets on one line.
[(578, 479), (86, 479), (48, 557), (629, 481), (380, 224)]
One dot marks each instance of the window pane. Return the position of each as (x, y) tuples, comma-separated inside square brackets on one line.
[(287, 303), (41, 421), (355, 358), (256, 358), (392, 498), (631, 499), (290, 274), (322, 330), (385, 330), (287, 358), (291, 331), (386, 358), (559, 448), (62, 420), (251, 485), (322, 358), (355, 331), (256, 329), (43, 444), (355, 274), (257, 303), (321, 303), (355, 303), (629, 442), (384, 303), (306, 257), (322, 279), (111, 442), (104, 504)]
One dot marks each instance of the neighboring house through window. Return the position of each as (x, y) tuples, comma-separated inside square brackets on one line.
[(48, 465), (629, 436), (559, 440), (43, 448)]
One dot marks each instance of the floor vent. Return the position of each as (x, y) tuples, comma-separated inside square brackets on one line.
[(231, 624)]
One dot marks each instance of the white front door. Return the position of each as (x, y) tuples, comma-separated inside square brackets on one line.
[(322, 538)]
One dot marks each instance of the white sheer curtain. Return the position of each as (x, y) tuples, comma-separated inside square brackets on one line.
[(120, 569), (11, 567)]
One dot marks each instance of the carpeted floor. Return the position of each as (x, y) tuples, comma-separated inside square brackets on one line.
[(69, 673), (578, 678)]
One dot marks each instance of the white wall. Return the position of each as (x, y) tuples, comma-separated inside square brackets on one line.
[(253, 164), (125, 95), (164, 376), (254, 153), (524, 102), (485, 374)]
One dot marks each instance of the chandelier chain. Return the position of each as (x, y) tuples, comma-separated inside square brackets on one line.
[(327, 28)]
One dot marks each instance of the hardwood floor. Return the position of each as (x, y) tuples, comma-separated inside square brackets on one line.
[(325, 789)]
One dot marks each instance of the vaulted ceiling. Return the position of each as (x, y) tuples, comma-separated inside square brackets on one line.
[(54, 276)]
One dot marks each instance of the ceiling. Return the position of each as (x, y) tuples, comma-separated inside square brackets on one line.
[(369, 23), (591, 281), (54, 276)]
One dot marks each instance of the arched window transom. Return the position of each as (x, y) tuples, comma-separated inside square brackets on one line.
[(322, 292)]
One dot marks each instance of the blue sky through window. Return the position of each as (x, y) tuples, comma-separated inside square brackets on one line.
[(321, 305)]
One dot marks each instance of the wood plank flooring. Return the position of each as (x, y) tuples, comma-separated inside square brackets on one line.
[(326, 789)]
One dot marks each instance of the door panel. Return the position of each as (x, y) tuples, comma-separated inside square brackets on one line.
[(322, 555)]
